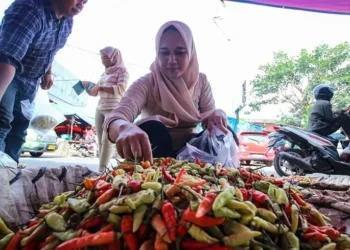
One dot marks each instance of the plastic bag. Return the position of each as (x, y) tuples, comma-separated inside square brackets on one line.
[(45, 117), (212, 149), (345, 155), (7, 161)]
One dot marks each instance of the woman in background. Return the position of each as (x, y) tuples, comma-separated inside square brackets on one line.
[(110, 88)]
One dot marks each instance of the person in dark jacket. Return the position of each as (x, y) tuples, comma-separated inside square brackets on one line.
[(322, 119)]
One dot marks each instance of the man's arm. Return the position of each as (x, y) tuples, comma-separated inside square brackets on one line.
[(18, 28), (7, 72)]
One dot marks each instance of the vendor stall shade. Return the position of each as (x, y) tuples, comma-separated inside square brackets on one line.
[(325, 6)]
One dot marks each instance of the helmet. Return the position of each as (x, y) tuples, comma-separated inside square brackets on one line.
[(323, 92)]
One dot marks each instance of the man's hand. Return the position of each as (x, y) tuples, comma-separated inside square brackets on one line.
[(7, 72), (47, 81)]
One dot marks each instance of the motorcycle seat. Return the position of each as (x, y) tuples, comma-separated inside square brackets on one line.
[(329, 138)]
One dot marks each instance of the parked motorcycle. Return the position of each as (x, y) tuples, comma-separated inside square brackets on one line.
[(308, 153), (84, 149)]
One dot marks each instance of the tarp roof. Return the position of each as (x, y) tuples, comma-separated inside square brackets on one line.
[(325, 6)]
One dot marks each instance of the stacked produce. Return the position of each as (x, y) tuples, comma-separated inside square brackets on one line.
[(177, 205)]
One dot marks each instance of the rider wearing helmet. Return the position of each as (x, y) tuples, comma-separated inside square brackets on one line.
[(322, 120)]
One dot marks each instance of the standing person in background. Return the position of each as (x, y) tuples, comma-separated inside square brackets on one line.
[(111, 88), (31, 33)]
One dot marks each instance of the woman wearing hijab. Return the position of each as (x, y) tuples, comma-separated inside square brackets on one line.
[(111, 88), (172, 100)]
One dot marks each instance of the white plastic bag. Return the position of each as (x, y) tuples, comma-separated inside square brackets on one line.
[(6, 161), (212, 149), (45, 117)]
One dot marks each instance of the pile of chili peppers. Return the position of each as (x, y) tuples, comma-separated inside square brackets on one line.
[(177, 205)]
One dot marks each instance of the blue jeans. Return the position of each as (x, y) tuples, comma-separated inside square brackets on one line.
[(14, 120)]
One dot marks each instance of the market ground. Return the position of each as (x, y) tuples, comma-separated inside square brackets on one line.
[(54, 160)]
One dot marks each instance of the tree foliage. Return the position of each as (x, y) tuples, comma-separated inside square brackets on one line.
[(290, 80)]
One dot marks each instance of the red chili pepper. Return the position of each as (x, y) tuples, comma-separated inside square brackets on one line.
[(106, 196), (133, 186), (14, 242), (169, 215), (206, 204), (131, 241), (108, 228), (166, 175), (181, 229), (43, 244), (198, 189), (244, 193), (224, 172), (98, 239), (30, 246), (249, 181), (92, 222), (127, 223), (194, 244), (342, 228), (258, 197), (332, 233), (145, 164), (297, 198), (99, 193), (116, 245), (103, 185), (198, 161), (315, 236), (33, 223), (246, 174), (204, 221), (141, 233), (288, 210)]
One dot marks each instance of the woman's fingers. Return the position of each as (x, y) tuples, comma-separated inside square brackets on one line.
[(120, 149), (146, 148), (136, 148)]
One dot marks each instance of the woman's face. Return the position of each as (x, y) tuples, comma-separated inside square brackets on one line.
[(173, 55), (106, 61)]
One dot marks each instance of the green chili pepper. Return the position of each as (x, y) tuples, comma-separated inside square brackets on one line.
[(281, 197), (209, 178), (119, 181), (223, 198), (3, 228), (233, 227), (78, 205), (64, 236), (215, 232), (91, 197), (156, 175), (225, 212), (194, 205), (120, 209), (139, 214), (271, 193), (5, 240), (115, 219), (200, 235), (56, 222), (293, 240), (156, 186), (144, 197), (90, 213), (61, 199)]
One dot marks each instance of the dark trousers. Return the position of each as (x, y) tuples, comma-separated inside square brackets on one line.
[(342, 122), (161, 141), (14, 121)]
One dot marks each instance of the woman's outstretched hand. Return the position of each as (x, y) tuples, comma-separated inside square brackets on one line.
[(133, 142), (219, 119)]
